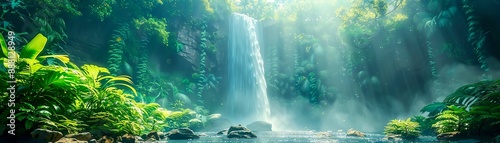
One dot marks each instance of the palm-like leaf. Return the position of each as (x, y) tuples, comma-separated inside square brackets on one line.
[(434, 108), (4, 49), (484, 91), (34, 47)]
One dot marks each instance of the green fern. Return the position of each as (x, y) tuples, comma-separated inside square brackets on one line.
[(477, 93), (454, 118), (409, 130), (476, 35), (202, 69), (117, 46)]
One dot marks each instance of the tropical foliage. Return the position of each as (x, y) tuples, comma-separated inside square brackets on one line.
[(471, 108), (72, 99), (409, 130)]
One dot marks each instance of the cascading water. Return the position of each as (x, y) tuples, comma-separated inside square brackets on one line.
[(247, 95)]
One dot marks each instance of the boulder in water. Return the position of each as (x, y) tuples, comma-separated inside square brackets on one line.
[(355, 133), (181, 134), (240, 132), (393, 138), (222, 132), (324, 135), (260, 126)]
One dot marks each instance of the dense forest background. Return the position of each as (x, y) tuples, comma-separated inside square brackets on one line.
[(346, 61)]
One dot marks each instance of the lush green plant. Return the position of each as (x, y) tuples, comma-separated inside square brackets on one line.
[(485, 117), (454, 118), (425, 125), (202, 69), (484, 92), (117, 45), (481, 99), (179, 119), (476, 36), (153, 25), (72, 99), (408, 129), (45, 91), (434, 108)]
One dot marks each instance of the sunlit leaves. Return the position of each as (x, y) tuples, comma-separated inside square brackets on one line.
[(455, 118), (406, 128), (153, 25)]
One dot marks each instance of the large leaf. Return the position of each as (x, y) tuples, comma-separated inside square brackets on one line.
[(3, 44), (34, 47), (434, 108), (63, 58)]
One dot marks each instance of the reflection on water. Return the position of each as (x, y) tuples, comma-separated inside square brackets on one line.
[(295, 137)]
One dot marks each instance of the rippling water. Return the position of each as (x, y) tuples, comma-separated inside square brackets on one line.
[(295, 137)]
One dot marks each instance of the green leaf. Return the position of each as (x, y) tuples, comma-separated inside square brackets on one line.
[(28, 124), (63, 58), (3, 44), (34, 47)]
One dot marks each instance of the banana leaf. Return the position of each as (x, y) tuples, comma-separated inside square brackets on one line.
[(34, 47)]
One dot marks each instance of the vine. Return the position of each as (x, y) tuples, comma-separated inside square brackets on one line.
[(202, 69), (117, 45), (142, 74), (476, 36)]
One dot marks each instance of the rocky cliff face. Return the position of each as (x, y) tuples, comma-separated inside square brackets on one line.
[(190, 37), (87, 41)]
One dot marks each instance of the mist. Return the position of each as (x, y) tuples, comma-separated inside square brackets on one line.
[(353, 113)]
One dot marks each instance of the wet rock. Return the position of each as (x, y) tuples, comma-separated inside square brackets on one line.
[(46, 135), (139, 138), (355, 133), (240, 132), (144, 136), (324, 135), (260, 126), (99, 133), (151, 140), (69, 140), (181, 134), (92, 141), (237, 128), (154, 135), (128, 138), (162, 135), (393, 138), (106, 139), (85, 136), (448, 136), (222, 132)]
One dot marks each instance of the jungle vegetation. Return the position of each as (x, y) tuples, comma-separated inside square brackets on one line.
[(295, 68)]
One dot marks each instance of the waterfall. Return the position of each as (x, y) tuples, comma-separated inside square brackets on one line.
[(247, 96)]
